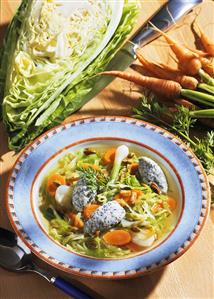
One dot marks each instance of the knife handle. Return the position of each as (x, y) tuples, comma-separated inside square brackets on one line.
[(168, 14)]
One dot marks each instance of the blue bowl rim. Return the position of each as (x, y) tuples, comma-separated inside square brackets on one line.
[(94, 274)]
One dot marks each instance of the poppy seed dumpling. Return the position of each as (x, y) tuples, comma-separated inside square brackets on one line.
[(104, 217), (150, 172), (82, 195)]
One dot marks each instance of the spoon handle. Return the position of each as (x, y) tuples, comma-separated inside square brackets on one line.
[(68, 288)]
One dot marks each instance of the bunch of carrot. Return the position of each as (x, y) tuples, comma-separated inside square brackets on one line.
[(192, 81)]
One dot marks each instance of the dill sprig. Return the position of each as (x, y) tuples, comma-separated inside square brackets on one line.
[(95, 180), (89, 175), (180, 123), (204, 150), (182, 120)]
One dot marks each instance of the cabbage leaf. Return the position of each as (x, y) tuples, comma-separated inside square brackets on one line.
[(47, 62)]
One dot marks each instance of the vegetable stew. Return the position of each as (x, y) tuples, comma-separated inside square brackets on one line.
[(107, 202)]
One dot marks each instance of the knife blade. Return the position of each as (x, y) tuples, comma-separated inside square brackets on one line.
[(163, 19)]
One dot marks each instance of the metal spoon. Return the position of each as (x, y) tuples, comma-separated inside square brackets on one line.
[(15, 256)]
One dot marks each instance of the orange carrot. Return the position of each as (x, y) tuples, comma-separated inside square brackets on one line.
[(200, 53), (123, 198), (166, 72), (117, 237), (109, 156), (53, 182), (208, 66), (205, 41), (185, 103), (75, 220), (139, 192), (125, 193), (172, 203), (188, 61), (127, 196), (89, 210), (87, 165), (166, 88), (187, 81), (117, 196), (134, 247), (151, 67)]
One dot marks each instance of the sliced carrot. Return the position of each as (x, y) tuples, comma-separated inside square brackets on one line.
[(125, 193), (117, 237), (134, 168), (127, 196), (53, 182), (109, 156), (134, 247), (89, 210), (117, 196), (87, 165), (130, 196), (172, 203), (156, 207), (139, 192), (75, 220)]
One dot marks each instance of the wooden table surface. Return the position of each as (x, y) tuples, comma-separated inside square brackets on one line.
[(192, 275)]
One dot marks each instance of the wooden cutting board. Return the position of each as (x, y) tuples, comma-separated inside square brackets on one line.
[(191, 276)]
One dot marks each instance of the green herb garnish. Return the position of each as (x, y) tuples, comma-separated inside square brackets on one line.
[(180, 123)]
